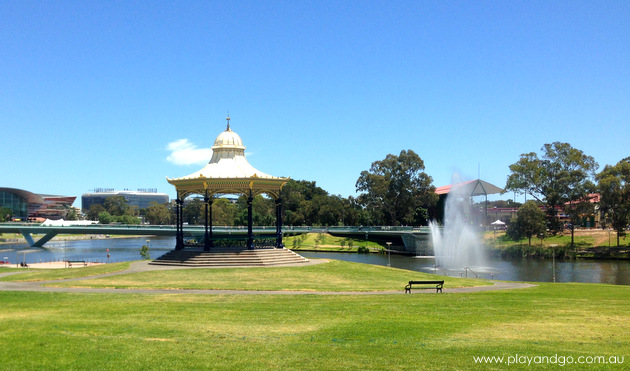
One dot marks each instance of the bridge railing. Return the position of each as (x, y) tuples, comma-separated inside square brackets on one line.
[(383, 228)]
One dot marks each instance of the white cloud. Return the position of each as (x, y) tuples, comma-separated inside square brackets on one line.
[(185, 153)]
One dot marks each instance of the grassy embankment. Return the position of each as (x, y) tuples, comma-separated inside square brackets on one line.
[(587, 244), (187, 331), (326, 242)]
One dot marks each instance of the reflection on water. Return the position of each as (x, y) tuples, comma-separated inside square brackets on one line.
[(534, 270), (120, 249)]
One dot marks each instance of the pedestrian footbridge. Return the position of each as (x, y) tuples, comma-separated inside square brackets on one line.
[(404, 239)]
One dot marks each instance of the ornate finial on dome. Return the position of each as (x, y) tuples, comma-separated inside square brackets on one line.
[(228, 122)]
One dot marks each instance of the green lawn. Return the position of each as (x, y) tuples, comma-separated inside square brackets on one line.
[(332, 276), (426, 331)]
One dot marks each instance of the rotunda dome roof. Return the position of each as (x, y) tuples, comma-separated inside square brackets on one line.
[(228, 139)]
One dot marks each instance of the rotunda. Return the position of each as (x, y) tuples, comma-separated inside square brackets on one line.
[(228, 172)]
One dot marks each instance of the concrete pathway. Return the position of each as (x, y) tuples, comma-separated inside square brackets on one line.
[(143, 266)]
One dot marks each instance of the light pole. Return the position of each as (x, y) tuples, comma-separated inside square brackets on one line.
[(389, 261), (553, 261)]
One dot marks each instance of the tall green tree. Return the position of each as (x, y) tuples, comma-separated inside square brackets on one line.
[(304, 203), (561, 175), (94, 211), (118, 206), (223, 212), (614, 189), (576, 211), (263, 211), (157, 214), (529, 222), (396, 190), (193, 212)]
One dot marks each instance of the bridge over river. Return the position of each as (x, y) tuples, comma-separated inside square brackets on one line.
[(405, 239)]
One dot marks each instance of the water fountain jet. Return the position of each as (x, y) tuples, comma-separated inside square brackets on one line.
[(457, 245)]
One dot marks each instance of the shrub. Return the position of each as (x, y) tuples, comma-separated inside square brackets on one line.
[(144, 252)]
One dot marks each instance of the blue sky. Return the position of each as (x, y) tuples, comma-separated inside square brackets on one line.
[(109, 93)]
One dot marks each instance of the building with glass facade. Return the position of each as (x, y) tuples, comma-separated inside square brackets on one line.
[(25, 205)]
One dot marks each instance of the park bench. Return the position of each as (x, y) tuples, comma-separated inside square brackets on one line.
[(438, 285), (70, 262)]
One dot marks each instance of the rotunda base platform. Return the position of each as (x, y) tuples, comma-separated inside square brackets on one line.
[(230, 257)]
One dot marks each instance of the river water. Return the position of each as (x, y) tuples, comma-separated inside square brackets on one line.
[(533, 270)]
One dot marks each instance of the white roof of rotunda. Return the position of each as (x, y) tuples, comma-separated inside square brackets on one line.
[(228, 160)]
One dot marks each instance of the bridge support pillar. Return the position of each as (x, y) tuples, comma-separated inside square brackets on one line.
[(39, 243)]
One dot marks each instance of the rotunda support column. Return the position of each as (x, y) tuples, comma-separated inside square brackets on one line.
[(250, 231), (207, 241), (179, 231), (279, 244)]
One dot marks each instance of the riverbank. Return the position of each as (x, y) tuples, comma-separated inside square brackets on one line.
[(587, 244), (52, 265)]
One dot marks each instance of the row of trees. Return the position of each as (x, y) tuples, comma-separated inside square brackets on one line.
[(304, 203), (564, 178), (114, 210), (397, 191), (394, 191)]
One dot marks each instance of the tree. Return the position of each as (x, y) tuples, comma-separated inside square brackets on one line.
[(105, 218), (396, 190), (94, 211), (223, 212), (614, 189), (299, 202), (529, 221), (127, 219), (330, 211), (5, 214), (144, 252), (560, 176), (157, 214), (117, 206), (72, 214), (193, 212), (577, 210), (263, 210)]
